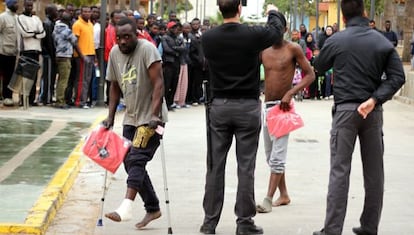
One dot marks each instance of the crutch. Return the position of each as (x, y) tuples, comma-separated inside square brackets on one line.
[(100, 223), (164, 174)]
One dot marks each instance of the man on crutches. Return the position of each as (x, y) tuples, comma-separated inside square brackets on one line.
[(134, 69)]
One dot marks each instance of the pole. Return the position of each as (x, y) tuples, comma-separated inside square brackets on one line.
[(338, 14), (132, 4), (152, 6), (102, 72), (317, 21), (186, 10), (204, 10), (295, 14), (162, 9), (372, 10), (196, 9)]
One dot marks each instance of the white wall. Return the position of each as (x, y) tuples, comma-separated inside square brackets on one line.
[(210, 9)]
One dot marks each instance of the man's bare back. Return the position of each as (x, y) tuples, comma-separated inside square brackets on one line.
[(279, 62)]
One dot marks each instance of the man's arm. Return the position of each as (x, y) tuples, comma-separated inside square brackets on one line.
[(306, 80), (40, 31), (114, 96), (272, 32), (157, 81), (395, 79), (324, 61)]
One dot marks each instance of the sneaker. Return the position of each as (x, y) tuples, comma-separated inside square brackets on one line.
[(177, 106), (120, 107), (186, 106), (8, 102), (85, 106)]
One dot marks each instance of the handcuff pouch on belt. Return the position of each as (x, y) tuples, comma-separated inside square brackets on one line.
[(142, 135)]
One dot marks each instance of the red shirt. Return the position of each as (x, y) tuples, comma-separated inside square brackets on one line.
[(145, 35), (110, 40)]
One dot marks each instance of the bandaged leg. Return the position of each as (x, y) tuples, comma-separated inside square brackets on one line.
[(266, 206), (123, 213)]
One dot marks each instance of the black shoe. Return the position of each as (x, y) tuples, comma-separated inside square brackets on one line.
[(207, 229), (248, 229), (361, 231), (322, 232)]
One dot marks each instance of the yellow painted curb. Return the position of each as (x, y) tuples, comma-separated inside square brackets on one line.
[(52, 198)]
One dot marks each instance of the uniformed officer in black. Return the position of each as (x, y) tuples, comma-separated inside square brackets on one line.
[(359, 56)]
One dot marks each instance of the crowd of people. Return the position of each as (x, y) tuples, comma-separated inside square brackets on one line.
[(151, 60), (68, 41)]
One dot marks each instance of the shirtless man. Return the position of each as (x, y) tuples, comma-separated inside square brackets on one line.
[(279, 62)]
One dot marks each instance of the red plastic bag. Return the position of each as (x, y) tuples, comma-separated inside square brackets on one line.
[(280, 123), (106, 148)]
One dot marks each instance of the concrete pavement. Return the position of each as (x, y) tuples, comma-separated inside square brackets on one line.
[(306, 176)]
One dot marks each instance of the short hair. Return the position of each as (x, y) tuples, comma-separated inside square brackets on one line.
[(125, 20), (229, 8), (50, 8), (162, 26), (117, 11), (352, 8), (82, 7), (388, 21), (372, 21)]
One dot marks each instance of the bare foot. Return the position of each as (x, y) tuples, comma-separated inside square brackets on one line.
[(113, 216), (148, 218), (281, 201)]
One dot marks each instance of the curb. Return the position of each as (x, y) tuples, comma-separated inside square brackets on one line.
[(44, 210)]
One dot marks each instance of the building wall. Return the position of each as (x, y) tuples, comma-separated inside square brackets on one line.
[(2, 5)]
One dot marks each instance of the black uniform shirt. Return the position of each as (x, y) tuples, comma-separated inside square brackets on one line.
[(359, 55)]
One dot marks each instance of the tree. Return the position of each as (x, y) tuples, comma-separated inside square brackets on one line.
[(408, 29), (179, 6)]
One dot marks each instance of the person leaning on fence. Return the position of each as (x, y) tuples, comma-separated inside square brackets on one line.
[(134, 69), (235, 109), (358, 114)]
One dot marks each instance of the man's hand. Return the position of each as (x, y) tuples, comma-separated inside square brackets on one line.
[(155, 121), (271, 7), (108, 123), (365, 108), (285, 102)]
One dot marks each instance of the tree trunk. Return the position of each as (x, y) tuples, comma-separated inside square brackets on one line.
[(408, 29), (111, 5), (388, 11)]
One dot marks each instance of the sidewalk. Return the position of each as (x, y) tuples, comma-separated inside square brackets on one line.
[(306, 176)]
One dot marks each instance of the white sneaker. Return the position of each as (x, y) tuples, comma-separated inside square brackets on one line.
[(8, 102)]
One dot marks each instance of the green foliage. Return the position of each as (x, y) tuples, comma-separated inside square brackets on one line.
[(180, 6), (78, 3), (309, 6), (218, 19)]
